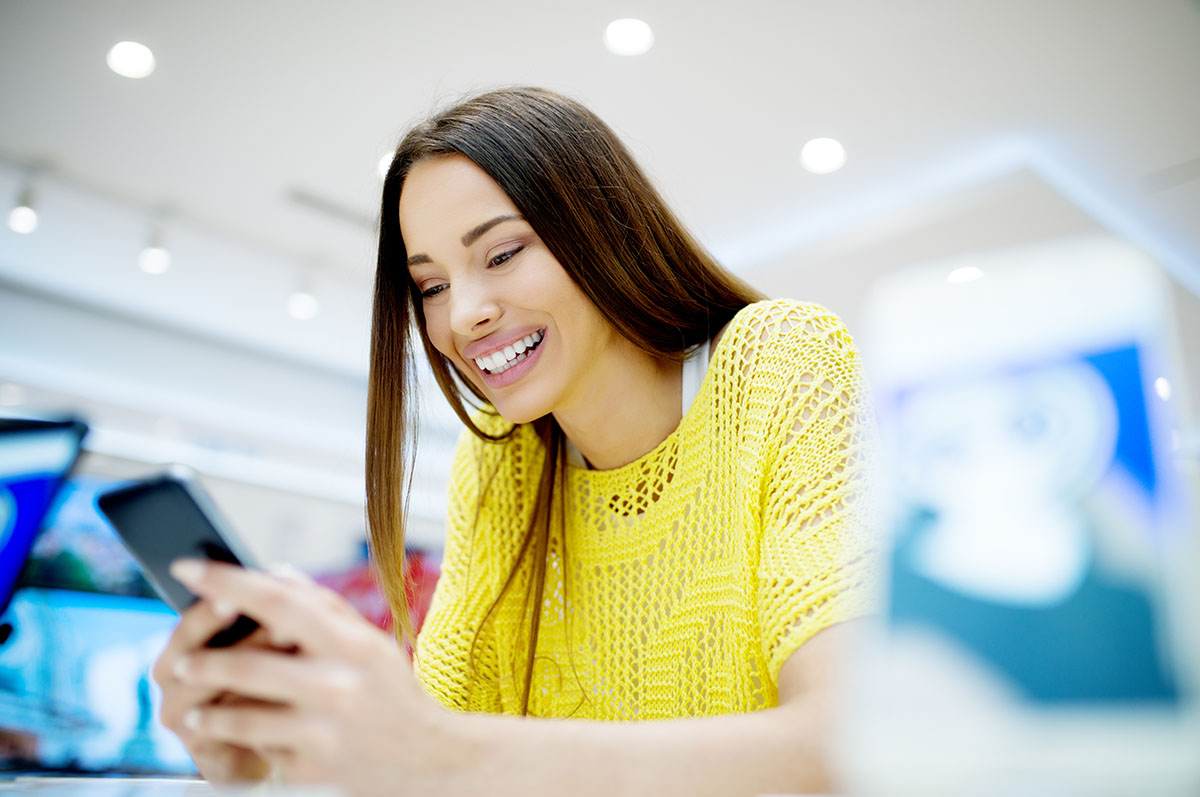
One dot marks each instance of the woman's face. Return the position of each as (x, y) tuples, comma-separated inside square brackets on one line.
[(497, 304)]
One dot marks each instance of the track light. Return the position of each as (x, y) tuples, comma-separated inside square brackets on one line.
[(302, 303), (23, 219), (155, 258)]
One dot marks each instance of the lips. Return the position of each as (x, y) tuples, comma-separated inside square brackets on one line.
[(502, 360)]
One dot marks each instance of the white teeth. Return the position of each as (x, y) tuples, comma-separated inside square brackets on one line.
[(500, 361), (509, 364)]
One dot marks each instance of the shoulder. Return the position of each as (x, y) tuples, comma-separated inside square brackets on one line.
[(787, 329)]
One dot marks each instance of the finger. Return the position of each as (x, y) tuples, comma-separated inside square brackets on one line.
[(271, 676), (292, 612), (179, 701), (288, 767), (196, 626), (260, 727)]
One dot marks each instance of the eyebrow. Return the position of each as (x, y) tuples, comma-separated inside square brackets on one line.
[(471, 236), (475, 234)]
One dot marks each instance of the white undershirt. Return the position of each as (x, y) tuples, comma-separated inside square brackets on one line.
[(694, 368)]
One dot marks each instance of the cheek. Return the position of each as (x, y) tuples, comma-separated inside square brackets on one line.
[(438, 330), (437, 327), (570, 304), (588, 326)]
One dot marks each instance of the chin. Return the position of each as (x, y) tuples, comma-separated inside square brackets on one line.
[(514, 412)]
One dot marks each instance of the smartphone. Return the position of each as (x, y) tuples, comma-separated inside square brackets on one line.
[(170, 517)]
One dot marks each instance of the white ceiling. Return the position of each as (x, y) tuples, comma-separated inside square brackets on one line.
[(256, 102)]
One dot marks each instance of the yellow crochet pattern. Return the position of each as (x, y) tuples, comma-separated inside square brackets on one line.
[(676, 585)]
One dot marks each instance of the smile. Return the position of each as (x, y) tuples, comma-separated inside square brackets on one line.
[(500, 361)]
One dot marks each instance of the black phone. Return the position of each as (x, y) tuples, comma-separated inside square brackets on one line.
[(170, 517)]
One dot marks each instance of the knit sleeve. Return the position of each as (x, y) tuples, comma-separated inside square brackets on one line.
[(814, 566), (444, 662)]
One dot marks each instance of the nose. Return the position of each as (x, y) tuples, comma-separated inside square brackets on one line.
[(473, 306)]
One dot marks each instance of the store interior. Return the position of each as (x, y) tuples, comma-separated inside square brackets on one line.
[(197, 283)]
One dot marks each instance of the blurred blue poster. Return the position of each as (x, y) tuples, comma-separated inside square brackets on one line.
[(1027, 534)]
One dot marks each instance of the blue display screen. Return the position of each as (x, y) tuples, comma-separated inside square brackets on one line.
[(86, 630), (1032, 516), (32, 466)]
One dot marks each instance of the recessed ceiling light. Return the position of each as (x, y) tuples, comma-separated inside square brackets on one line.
[(628, 37), (822, 156), (131, 60), (964, 274)]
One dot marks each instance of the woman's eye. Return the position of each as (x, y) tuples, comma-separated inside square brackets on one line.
[(434, 290), (504, 257)]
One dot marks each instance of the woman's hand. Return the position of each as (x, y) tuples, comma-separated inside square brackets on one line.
[(332, 699), (217, 761)]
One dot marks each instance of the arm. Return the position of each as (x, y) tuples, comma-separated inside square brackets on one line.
[(777, 750), (345, 709)]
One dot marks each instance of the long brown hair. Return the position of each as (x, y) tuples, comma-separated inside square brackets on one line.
[(597, 213)]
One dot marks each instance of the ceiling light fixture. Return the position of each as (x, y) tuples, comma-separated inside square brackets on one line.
[(965, 274), (131, 59), (302, 303), (23, 219), (823, 155), (628, 37), (155, 258)]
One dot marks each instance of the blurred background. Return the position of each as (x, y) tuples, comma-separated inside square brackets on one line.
[(192, 271)]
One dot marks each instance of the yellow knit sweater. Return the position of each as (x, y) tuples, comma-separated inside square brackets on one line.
[(679, 583)]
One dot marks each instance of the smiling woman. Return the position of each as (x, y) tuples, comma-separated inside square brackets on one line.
[(654, 510)]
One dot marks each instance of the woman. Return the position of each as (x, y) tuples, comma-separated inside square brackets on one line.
[(664, 467)]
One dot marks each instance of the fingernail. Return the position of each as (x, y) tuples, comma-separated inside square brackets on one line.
[(181, 669), (224, 610), (191, 720), (187, 571)]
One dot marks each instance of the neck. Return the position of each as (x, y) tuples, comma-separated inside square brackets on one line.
[(627, 405)]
